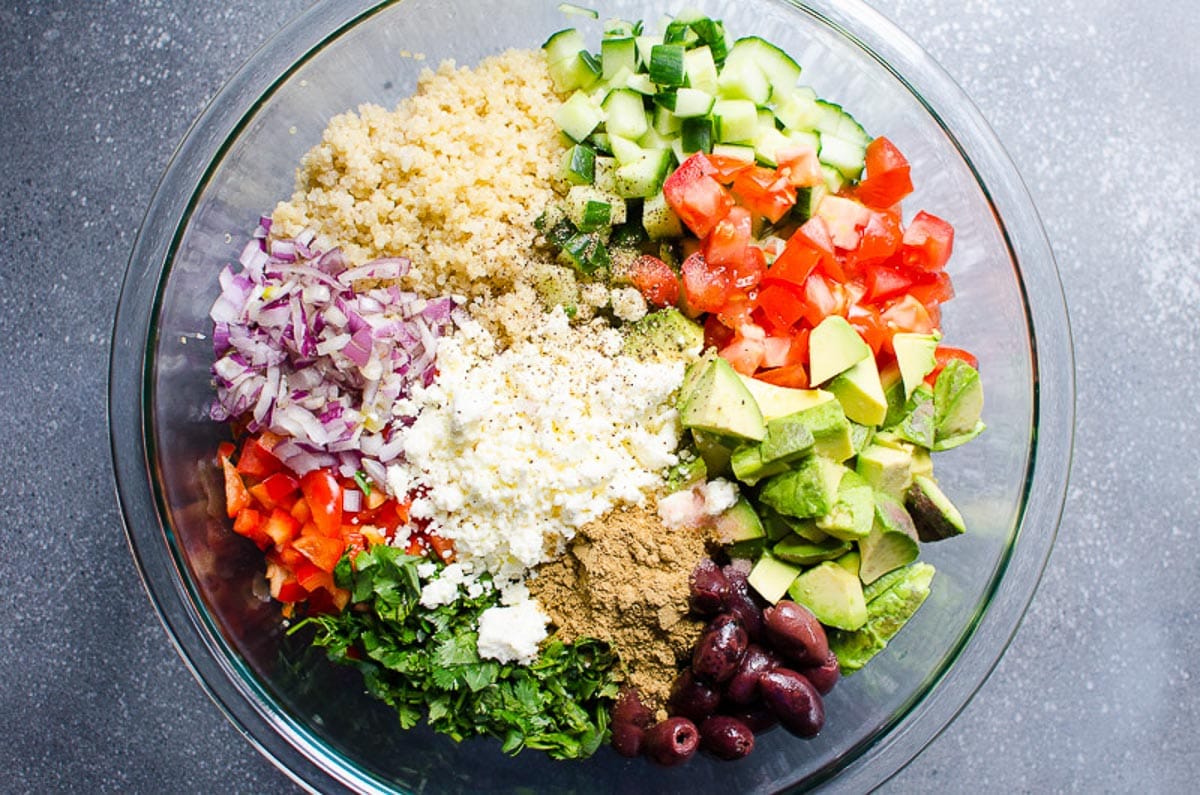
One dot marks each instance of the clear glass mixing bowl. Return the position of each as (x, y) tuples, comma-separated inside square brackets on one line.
[(313, 719)]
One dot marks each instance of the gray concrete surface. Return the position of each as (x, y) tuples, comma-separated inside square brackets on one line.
[(1096, 102)]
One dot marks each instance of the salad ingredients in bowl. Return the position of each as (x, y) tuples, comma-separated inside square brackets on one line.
[(592, 396)]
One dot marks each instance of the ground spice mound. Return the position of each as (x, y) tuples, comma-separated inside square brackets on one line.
[(624, 580)]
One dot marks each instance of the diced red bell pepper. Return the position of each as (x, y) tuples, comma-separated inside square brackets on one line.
[(281, 527), (236, 495), (323, 494), (323, 551), (257, 461)]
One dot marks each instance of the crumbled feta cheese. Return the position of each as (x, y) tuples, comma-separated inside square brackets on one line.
[(695, 507), (719, 496), (512, 634), (444, 589)]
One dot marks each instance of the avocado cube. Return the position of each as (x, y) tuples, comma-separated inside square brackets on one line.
[(860, 392), (833, 594), (808, 490), (739, 523), (829, 427), (803, 552), (834, 347), (787, 439), (772, 577), (780, 401), (957, 399), (662, 336), (851, 516), (887, 611), (718, 402), (934, 515), (892, 542), (887, 469), (748, 465), (915, 357), (851, 562), (917, 424)]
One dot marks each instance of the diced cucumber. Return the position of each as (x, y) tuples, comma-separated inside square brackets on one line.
[(686, 103), (658, 220), (621, 29), (653, 139), (641, 83), (665, 122), (712, 33), (581, 71), (743, 79), (768, 142), (835, 121), (696, 135), (624, 114), (616, 54), (777, 66), (578, 116), (847, 157), (701, 69), (736, 120), (643, 177), (798, 109), (590, 208), (645, 45), (562, 45), (585, 251), (579, 165), (666, 65), (798, 138), (624, 150), (606, 167), (736, 152), (834, 181), (570, 9), (601, 141), (679, 32), (807, 199)]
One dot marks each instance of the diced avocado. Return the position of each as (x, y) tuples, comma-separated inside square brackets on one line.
[(887, 469), (788, 438), (860, 436), (887, 612), (915, 357), (861, 393), (917, 424), (739, 523), (833, 594), (893, 390), (775, 525), (932, 512), (803, 552), (749, 467), (957, 399), (750, 549), (715, 450), (664, 335), (780, 401), (950, 442), (830, 429), (772, 577), (686, 474), (892, 542), (808, 490), (922, 462), (718, 402), (834, 347), (852, 514), (851, 561)]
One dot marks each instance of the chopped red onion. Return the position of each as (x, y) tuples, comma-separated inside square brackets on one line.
[(305, 356)]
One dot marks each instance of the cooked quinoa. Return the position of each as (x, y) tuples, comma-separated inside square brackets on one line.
[(453, 178)]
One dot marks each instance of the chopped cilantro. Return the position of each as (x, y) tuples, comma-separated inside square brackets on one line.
[(425, 662)]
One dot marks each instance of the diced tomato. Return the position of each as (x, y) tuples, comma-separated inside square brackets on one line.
[(323, 551), (933, 291), (880, 238), (281, 527), (323, 494), (775, 350), (706, 289), (725, 169), (751, 270), (888, 179), (288, 590), (764, 192), (744, 354), (236, 495), (928, 243), (883, 283), (792, 375), (716, 334), (726, 244), (782, 302), (816, 232), (655, 280), (415, 547), (867, 321), (695, 196), (908, 314), (797, 261), (819, 300), (257, 461), (798, 352), (800, 166)]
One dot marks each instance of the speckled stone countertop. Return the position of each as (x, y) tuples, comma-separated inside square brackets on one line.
[(1096, 102)]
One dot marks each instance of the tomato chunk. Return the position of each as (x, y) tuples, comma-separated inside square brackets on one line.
[(793, 375), (323, 551), (888, 177), (726, 244), (696, 197), (765, 192), (655, 280), (706, 289), (928, 243), (782, 302)]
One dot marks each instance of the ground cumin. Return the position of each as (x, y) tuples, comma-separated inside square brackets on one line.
[(624, 580)]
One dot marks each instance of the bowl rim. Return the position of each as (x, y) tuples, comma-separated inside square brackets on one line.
[(869, 763)]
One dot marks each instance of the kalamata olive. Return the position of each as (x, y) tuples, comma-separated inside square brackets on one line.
[(671, 742), (825, 675), (795, 633), (720, 649), (742, 687), (741, 603), (709, 588), (630, 717), (725, 737), (757, 718), (794, 701), (692, 698)]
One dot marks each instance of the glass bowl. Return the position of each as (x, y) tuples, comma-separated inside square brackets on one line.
[(313, 719)]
